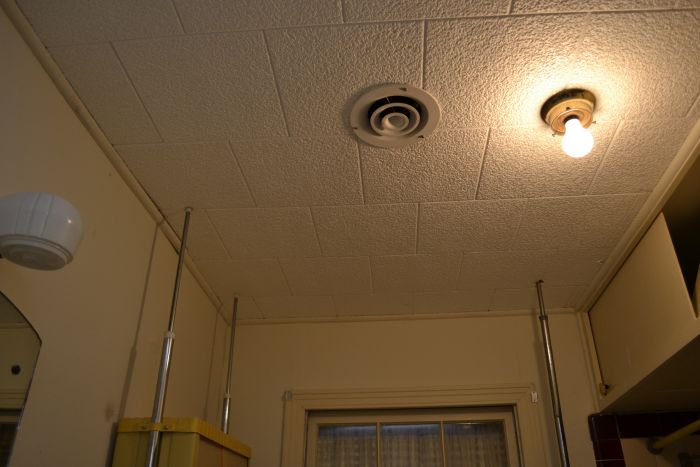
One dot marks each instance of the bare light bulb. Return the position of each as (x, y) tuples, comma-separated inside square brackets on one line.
[(577, 140)]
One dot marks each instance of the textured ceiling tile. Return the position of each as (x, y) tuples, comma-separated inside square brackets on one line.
[(328, 276), (376, 10), (296, 307), (200, 175), (526, 299), (639, 155), (97, 76), (380, 229), (373, 305), (321, 71), (204, 242), (266, 232), (499, 71), (301, 171), (525, 162), (521, 269), (216, 86), (558, 6), (468, 225), (577, 222), (443, 167), (71, 22), (415, 273), (453, 302), (247, 309), (217, 15), (244, 277)]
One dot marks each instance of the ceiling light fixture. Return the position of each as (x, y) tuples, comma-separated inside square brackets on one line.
[(570, 113)]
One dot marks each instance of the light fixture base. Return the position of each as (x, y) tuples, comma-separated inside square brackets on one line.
[(571, 103)]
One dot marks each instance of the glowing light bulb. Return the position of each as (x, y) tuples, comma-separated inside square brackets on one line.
[(577, 140)]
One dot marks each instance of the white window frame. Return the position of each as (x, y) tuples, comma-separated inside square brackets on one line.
[(437, 416), (299, 404)]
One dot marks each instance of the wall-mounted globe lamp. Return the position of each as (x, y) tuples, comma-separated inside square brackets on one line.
[(570, 113)]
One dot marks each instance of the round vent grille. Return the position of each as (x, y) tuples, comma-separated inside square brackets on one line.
[(394, 115)]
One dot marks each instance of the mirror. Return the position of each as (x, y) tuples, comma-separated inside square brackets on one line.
[(19, 349)]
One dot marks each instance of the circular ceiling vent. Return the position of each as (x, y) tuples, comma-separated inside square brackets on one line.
[(394, 115)]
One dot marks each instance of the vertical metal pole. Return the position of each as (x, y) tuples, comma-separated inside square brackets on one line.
[(166, 355), (553, 388), (227, 394)]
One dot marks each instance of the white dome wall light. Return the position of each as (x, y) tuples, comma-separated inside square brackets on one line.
[(570, 113), (39, 230)]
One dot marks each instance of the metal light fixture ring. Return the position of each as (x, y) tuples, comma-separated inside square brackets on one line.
[(571, 103)]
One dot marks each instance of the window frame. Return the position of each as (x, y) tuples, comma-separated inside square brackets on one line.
[(535, 451), (438, 416)]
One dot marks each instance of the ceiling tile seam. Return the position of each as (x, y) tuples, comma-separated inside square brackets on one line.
[(415, 247), (243, 175), (424, 48), (284, 275), (218, 235), (252, 297), (511, 5), (688, 114), (371, 276), (136, 92), (612, 141), (362, 172), (334, 306), (277, 85), (482, 163), (516, 235), (179, 18), (341, 5), (318, 238)]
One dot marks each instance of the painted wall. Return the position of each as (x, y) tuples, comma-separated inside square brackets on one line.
[(637, 455), (272, 358), (104, 314)]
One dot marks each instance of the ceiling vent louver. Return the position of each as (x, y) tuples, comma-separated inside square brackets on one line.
[(394, 115)]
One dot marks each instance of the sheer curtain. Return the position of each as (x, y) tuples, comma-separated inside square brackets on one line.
[(411, 445), (481, 444), (346, 446)]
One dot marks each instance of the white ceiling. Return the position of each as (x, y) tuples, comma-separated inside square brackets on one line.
[(240, 109)]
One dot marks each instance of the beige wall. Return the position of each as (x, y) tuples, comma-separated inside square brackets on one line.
[(637, 455), (88, 314), (272, 358)]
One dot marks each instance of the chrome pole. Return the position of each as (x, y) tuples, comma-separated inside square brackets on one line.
[(553, 387), (227, 394), (166, 355)]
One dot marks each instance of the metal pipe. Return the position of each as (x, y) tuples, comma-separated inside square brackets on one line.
[(553, 387), (167, 352), (657, 445), (227, 394)]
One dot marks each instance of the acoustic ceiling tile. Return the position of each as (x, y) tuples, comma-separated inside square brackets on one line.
[(328, 276), (266, 232), (526, 298), (521, 269), (468, 225), (96, 75), (70, 22), (561, 6), (215, 15), (639, 155), (577, 222), (214, 86), (379, 229), (442, 167), (373, 305), (415, 273), (301, 171), (199, 175), (376, 10), (498, 71), (321, 71), (247, 310), (295, 307), (527, 162), (244, 277), (453, 302), (204, 242)]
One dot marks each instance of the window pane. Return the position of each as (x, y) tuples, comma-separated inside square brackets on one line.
[(347, 446), (479, 444), (415, 445)]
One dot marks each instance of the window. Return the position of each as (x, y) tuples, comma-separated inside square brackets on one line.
[(451, 437)]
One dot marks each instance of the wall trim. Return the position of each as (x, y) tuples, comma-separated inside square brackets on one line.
[(298, 404)]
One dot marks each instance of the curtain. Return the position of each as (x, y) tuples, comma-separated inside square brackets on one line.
[(480, 444), (346, 446), (411, 445)]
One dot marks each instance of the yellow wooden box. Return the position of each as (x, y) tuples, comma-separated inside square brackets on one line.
[(184, 442)]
